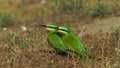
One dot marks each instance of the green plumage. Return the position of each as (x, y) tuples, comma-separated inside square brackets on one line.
[(71, 41), (56, 42), (54, 39)]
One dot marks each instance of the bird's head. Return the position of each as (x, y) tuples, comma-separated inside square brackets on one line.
[(50, 27), (63, 30)]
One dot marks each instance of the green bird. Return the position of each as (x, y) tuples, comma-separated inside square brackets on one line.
[(54, 39), (70, 40)]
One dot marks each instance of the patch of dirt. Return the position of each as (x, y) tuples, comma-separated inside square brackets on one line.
[(108, 25)]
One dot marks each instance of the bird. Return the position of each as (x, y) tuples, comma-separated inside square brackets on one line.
[(70, 40), (54, 39)]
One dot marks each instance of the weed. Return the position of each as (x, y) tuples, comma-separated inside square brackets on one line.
[(88, 55), (14, 37), (31, 31), (117, 63), (7, 18), (118, 33), (13, 56), (26, 42), (117, 53), (8, 62)]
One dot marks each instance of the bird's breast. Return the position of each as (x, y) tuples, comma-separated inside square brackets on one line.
[(61, 34)]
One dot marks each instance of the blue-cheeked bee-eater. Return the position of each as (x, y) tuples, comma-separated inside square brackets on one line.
[(71, 41), (54, 39)]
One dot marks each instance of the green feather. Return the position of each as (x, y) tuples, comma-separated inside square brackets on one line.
[(71, 41), (54, 39), (74, 44), (56, 42)]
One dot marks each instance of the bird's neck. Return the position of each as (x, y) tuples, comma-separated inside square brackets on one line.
[(52, 32), (60, 34)]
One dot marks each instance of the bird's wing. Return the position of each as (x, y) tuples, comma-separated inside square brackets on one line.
[(56, 42), (74, 44)]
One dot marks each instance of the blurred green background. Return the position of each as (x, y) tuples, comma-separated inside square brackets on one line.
[(28, 11)]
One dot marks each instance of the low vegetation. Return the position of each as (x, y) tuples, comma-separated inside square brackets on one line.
[(23, 43)]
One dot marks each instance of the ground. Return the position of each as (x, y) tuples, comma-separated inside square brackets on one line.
[(30, 49), (23, 44)]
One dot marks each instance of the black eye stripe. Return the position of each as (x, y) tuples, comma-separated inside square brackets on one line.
[(63, 30), (57, 28)]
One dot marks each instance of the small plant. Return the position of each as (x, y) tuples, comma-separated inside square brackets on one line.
[(88, 55), (13, 56), (117, 53), (14, 37), (7, 18), (31, 31), (26, 42), (117, 63), (118, 33)]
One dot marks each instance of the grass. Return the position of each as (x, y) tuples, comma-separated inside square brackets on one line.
[(33, 51), (92, 8), (14, 37), (74, 10), (98, 8), (29, 48), (6, 18)]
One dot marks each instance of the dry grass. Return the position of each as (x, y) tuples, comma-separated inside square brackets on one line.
[(30, 49)]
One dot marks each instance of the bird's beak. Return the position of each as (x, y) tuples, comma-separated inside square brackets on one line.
[(43, 25)]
